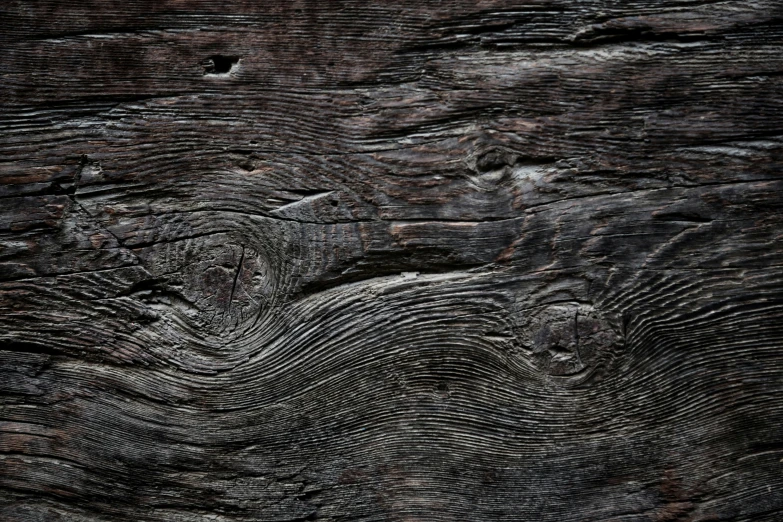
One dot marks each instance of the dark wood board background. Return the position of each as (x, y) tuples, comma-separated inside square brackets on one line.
[(404, 260)]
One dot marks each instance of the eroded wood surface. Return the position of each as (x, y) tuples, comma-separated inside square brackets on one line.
[(404, 260)]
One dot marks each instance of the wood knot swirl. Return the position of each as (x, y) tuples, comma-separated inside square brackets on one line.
[(569, 342), (213, 282)]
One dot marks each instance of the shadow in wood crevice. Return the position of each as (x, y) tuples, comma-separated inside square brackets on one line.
[(27, 347)]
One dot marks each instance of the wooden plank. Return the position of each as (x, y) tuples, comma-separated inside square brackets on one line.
[(442, 260)]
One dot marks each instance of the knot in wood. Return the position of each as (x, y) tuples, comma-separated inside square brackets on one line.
[(217, 285), (570, 342)]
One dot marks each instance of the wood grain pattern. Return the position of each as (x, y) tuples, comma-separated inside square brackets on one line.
[(402, 260)]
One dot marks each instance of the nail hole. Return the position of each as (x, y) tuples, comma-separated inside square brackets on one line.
[(219, 64)]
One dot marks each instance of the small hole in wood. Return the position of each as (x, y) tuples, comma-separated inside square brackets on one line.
[(219, 64)]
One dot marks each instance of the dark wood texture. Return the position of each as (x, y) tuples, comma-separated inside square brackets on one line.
[(405, 260)]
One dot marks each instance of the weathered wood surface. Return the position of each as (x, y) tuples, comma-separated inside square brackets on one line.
[(404, 260)]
